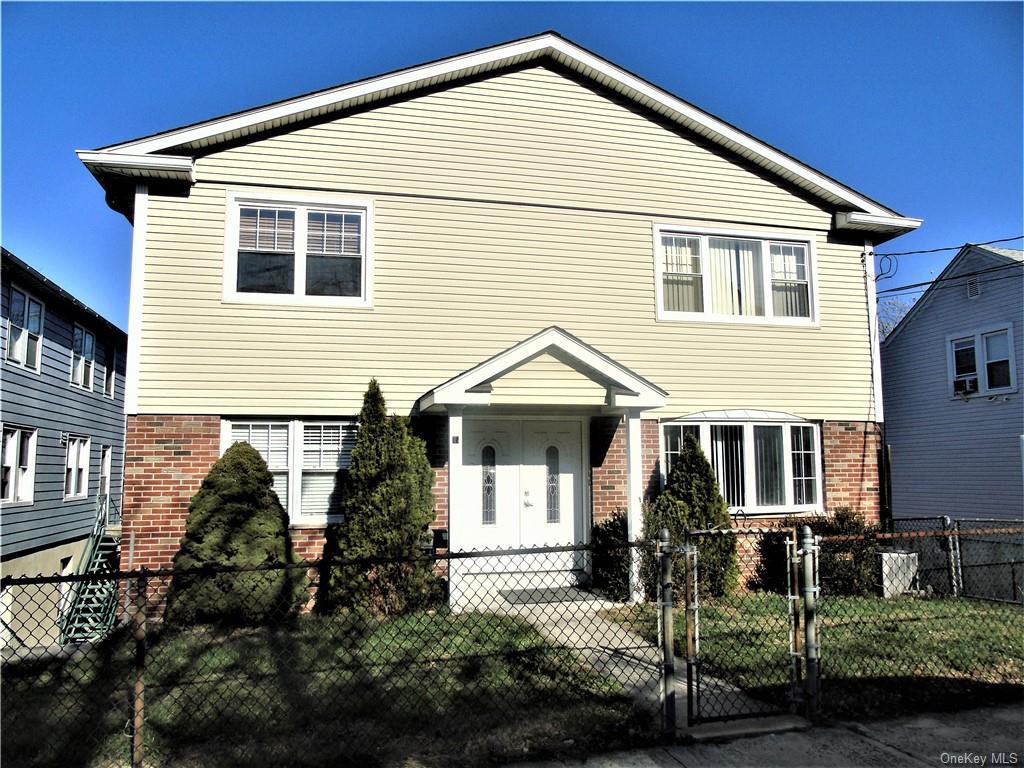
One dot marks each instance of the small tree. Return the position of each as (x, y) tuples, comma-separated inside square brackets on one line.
[(388, 504), (234, 519), (691, 501)]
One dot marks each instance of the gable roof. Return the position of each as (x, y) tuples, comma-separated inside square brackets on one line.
[(123, 158), (1008, 256), (472, 387)]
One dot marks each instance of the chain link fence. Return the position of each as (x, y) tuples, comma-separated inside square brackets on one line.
[(929, 616), (502, 654)]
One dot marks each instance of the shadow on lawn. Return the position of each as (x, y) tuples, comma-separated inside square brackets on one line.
[(349, 690)]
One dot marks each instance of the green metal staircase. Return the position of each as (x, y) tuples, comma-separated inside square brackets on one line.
[(90, 607)]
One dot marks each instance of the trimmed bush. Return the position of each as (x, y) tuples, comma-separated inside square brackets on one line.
[(388, 503), (235, 519), (848, 568), (611, 556), (691, 501)]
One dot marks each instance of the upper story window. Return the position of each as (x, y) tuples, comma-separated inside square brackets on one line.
[(83, 357), (109, 370), (981, 362), (18, 454), (25, 330), (305, 458), (761, 467), (731, 278), (301, 251)]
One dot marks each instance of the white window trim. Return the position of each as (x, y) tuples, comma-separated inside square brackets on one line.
[(42, 331), (31, 481), (86, 385), (238, 199), (663, 228), (88, 467), (749, 460), (106, 372), (296, 519), (980, 360)]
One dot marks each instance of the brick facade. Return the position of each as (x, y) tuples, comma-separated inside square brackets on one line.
[(168, 456), (850, 450), (166, 459)]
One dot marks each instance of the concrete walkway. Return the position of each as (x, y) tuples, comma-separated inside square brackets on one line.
[(973, 737)]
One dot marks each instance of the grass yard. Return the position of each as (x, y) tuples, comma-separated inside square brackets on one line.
[(424, 689), (878, 657)]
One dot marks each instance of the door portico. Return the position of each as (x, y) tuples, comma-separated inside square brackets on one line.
[(519, 465)]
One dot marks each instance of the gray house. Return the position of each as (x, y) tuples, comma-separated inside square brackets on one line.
[(62, 408), (954, 411)]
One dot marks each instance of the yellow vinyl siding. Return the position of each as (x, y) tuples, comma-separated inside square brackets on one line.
[(548, 381), (458, 280)]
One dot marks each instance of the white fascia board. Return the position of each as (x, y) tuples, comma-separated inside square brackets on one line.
[(158, 166), (523, 50), (633, 391), (875, 223)]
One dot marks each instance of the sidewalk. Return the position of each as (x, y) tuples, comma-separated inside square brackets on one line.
[(948, 738)]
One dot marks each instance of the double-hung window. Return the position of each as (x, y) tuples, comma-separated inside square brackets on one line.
[(761, 467), (306, 459), (18, 454), (109, 370), (24, 330), (981, 361), (719, 277), (303, 251), (83, 357), (76, 468)]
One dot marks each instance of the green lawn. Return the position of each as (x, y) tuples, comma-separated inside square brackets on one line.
[(878, 657), (424, 689)]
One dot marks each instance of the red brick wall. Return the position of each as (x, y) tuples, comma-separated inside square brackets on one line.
[(166, 459), (850, 452), (610, 476)]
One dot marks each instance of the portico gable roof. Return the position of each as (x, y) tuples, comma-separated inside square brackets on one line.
[(626, 389)]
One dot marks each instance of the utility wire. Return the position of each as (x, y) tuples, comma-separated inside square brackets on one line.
[(951, 247), (907, 291), (954, 277)]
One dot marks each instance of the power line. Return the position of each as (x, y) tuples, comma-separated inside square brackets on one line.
[(944, 287), (950, 248), (954, 277)]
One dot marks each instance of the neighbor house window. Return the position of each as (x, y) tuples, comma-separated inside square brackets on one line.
[(83, 357), (981, 362), (24, 330), (305, 458), (109, 370), (716, 277), (302, 252), (18, 454), (76, 468), (761, 467)]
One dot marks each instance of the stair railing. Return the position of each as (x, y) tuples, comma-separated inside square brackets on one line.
[(69, 601)]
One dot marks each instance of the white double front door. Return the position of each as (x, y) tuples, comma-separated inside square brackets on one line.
[(522, 484)]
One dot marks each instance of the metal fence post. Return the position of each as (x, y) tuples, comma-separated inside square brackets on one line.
[(793, 599), (138, 620), (810, 592), (668, 652), (951, 556)]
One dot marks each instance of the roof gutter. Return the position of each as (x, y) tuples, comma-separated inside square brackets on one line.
[(159, 167)]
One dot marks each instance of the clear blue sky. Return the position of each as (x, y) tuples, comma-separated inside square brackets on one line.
[(917, 105)]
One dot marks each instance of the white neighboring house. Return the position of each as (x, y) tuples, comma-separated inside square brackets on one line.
[(951, 380)]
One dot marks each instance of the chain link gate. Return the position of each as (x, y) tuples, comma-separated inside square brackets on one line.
[(743, 644)]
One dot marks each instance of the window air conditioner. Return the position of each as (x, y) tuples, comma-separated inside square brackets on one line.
[(967, 386)]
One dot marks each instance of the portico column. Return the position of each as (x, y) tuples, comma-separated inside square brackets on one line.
[(454, 473), (634, 488)]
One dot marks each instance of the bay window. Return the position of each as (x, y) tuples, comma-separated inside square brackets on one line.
[(713, 276), (761, 467), (305, 459), (304, 250)]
